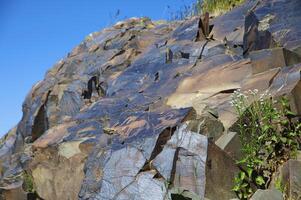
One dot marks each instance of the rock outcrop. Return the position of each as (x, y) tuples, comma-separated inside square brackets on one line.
[(142, 110)]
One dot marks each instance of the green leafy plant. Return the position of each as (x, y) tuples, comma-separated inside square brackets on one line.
[(268, 135), (242, 184)]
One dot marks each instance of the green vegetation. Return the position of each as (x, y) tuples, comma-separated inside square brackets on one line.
[(28, 183), (279, 185), (269, 137)]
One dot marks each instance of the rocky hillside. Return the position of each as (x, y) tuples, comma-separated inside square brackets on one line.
[(141, 110)]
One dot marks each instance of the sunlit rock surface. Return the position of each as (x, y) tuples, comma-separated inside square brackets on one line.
[(135, 110)]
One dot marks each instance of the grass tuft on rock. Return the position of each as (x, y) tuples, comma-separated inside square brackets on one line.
[(28, 183), (218, 7)]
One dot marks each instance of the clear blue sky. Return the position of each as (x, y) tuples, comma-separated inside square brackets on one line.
[(34, 34)]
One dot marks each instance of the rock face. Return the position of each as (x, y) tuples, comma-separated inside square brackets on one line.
[(135, 110), (267, 195)]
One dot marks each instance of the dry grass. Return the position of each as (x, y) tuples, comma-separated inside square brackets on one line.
[(218, 7)]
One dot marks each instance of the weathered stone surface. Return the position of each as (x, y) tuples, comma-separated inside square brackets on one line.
[(230, 143), (255, 38), (220, 168), (271, 194), (14, 194), (187, 154), (266, 59), (289, 177), (231, 24), (127, 109), (207, 125), (145, 187), (57, 176)]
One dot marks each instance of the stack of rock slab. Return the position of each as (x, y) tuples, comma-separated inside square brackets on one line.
[(142, 110)]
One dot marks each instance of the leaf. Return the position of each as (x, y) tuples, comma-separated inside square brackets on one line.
[(236, 188), (242, 161), (283, 139), (249, 171), (242, 175), (265, 128), (288, 112), (274, 138), (259, 180), (284, 122)]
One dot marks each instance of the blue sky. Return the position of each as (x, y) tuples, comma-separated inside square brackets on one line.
[(34, 34)]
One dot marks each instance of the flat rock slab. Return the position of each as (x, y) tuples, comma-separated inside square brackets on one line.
[(267, 195)]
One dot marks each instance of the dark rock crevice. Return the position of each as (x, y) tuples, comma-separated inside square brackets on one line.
[(40, 124), (162, 140), (93, 86), (179, 197), (174, 165), (168, 56)]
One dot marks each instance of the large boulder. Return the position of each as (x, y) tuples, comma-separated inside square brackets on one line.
[(141, 110)]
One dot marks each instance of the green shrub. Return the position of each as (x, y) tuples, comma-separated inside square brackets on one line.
[(268, 135)]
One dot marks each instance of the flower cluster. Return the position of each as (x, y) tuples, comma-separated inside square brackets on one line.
[(239, 100)]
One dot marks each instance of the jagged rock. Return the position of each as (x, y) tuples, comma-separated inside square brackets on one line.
[(254, 37), (231, 24), (187, 154), (6, 150), (53, 169), (287, 81), (230, 143), (145, 187), (207, 125), (193, 166), (266, 59), (127, 109), (220, 168)]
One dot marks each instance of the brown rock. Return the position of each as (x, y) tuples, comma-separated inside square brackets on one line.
[(220, 171), (230, 143), (290, 177), (14, 194)]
